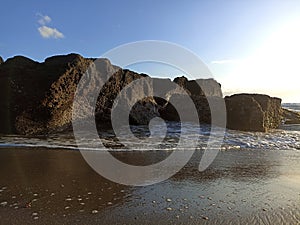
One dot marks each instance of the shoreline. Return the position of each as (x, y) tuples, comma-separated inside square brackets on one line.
[(247, 186)]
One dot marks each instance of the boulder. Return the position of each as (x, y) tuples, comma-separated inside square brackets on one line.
[(37, 98), (200, 86), (199, 91), (253, 112), (291, 117), (127, 94)]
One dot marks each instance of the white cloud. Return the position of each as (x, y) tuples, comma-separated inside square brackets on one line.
[(48, 32), (44, 19), (225, 61)]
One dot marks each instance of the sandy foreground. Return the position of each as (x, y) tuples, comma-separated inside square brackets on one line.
[(54, 186)]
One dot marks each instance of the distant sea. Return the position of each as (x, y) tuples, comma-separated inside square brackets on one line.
[(292, 106)]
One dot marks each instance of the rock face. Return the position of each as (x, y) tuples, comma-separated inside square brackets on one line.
[(199, 91), (253, 112), (291, 117), (200, 86), (1, 60), (37, 97)]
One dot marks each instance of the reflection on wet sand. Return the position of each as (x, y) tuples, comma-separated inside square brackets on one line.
[(58, 187)]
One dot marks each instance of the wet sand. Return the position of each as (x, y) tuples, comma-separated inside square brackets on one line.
[(41, 186)]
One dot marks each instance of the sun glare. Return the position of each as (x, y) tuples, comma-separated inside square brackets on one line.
[(274, 66)]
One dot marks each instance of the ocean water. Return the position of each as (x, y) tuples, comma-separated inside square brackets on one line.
[(287, 137), (292, 106)]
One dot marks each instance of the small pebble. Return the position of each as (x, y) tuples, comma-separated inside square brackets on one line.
[(109, 203), (169, 209), (68, 199), (79, 199), (89, 193), (122, 191), (52, 194), (3, 203), (168, 200), (35, 194), (94, 211), (191, 217), (82, 203), (186, 207), (177, 216), (209, 198), (36, 218), (34, 214), (201, 196), (13, 197), (62, 185), (153, 201), (264, 209), (67, 207), (205, 217)]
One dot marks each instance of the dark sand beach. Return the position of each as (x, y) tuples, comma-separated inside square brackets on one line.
[(54, 186)]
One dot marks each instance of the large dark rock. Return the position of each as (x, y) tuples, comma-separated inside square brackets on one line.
[(200, 91), (141, 110), (200, 86), (37, 98), (253, 112), (291, 117), (1, 60)]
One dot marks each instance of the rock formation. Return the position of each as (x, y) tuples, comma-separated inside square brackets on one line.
[(199, 91), (253, 112), (37, 98), (291, 117), (1, 60)]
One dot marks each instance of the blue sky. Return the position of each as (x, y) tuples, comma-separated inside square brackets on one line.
[(227, 35)]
